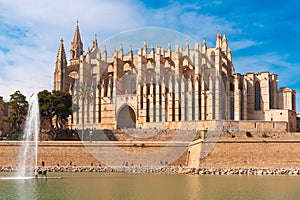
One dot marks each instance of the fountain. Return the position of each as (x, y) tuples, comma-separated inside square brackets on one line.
[(28, 155), (27, 159)]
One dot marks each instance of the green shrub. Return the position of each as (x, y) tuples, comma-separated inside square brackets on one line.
[(264, 135)]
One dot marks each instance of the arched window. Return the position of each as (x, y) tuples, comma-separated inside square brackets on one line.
[(209, 83), (257, 96), (167, 64), (270, 95), (293, 102), (132, 86), (213, 59), (231, 108), (110, 68), (126, 67), (185, 63), (231, 87)]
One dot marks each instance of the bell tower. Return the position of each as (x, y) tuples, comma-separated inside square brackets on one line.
[(76, 49)]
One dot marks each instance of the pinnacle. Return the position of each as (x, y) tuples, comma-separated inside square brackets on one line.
[(77, 38)]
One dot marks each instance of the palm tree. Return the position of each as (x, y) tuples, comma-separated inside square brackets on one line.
[(83, 92)]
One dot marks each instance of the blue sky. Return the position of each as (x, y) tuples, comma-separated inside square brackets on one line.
[(263, 35)]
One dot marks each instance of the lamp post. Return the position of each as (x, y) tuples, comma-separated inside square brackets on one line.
[(83, 93)]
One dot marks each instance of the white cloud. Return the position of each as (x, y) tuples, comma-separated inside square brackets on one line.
[(27, 73), (275, 63), (190, 19), (243, 44), (272, 62), (30, 61)]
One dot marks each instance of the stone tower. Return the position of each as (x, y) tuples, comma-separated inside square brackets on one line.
[(64, 73), (76, 49), (60, 68)]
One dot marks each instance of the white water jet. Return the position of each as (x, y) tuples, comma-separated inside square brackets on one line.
[(27, 160)]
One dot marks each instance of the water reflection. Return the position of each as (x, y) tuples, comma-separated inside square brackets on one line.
[(18, 189), (152, 186), (32, 189)]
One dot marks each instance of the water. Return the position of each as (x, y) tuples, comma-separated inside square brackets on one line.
[(152, 186), (28, 155)]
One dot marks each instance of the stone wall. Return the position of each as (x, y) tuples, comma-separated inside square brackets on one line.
[(76, 153), (53, 153), (255, 151), (232, 150), (194, 153), (238, 126), (253, 155)]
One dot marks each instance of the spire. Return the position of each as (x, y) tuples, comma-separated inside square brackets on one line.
[(152, 54), (95, 43), (224, 44), (115, 53), (204, 42), (77, 38), (169, 46), (104, 53), (61, 55), (104, 48), (145, 48), (186, 44), (187, 48), (60, 66), (169, 50), (130, 53), (218, 39), (121, 51), (76, 45), (203, 46)]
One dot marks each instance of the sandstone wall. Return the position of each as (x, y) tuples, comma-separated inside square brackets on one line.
[(193, 154), (257, 151), (52, 153), (246, 125), (232, 150), (63, 153), (253, 155)]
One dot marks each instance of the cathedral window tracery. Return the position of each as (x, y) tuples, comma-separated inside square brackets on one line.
[(257, 96)]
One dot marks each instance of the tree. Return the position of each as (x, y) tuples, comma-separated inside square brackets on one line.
[(55, 106), (19, 107), (46, 107), (84, 93), (62, 102)]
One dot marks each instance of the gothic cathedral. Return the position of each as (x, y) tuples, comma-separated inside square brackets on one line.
[(161, 88)]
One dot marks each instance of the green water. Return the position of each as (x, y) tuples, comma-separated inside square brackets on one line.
[(150, 186)]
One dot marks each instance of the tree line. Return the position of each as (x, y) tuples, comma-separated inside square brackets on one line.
[(55, 109)]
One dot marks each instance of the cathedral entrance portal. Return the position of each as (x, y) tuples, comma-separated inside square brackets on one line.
[(126, 118)]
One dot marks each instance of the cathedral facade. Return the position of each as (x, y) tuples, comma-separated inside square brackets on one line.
[(152, 86)]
